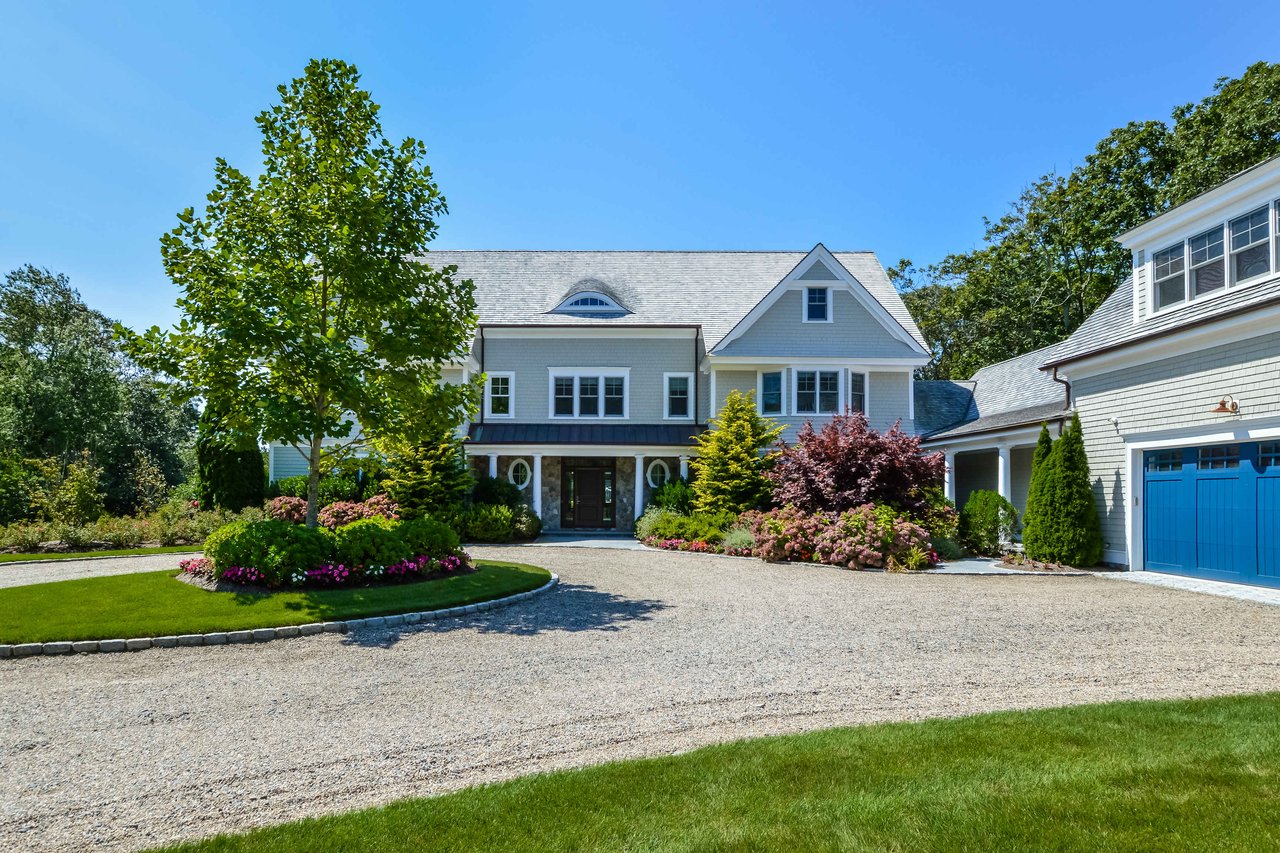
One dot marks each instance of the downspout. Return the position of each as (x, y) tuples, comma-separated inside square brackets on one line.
[(1066, 385), (480, 329)]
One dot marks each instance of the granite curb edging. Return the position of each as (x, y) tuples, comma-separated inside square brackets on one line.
[(262, 635)]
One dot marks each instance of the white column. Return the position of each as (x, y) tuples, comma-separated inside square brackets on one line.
[(493, 465), (1005, 470), (949, 482), (711, 409), (537, 485), (639, 485), (684, 467)]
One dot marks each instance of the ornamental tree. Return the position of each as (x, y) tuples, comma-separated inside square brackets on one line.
[(729, 471), (426, 477), (1033, 518), (307, 306), (1067, 529), (847, 464)]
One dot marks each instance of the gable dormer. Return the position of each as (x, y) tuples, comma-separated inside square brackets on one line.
[(1219, 242)]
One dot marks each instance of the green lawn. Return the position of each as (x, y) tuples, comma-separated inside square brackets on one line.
[(123, 552), (1193, 775), (153, 604)]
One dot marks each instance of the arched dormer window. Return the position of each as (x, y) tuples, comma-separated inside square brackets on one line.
[(589, 302)]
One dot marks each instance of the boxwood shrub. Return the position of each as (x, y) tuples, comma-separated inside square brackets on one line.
[(277, 549), (370, 542), (426, 536)]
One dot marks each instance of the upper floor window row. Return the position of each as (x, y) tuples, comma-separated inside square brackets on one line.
[(812, 392), (588, 394), (1239, 251)]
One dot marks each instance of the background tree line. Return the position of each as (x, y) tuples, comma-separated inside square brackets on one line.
[(80, 422), (1052, 259)]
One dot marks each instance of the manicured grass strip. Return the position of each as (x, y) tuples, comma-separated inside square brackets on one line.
[(1193, 775), (153, 604), (123, 552)]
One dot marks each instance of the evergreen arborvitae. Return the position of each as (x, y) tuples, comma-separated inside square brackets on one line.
[(729, 469), (428, 478), (1033, 534), (230, 470), (1068, 517)]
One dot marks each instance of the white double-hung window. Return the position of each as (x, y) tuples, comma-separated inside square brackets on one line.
[(817, 392), (588, 393), (499, 401), (678, 395), (1250, 245), (817, 305)]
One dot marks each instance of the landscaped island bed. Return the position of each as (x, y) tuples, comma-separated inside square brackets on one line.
[(1187, 775), (156, 604)]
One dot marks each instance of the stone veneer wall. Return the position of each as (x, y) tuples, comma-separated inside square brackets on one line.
[(624, 493)]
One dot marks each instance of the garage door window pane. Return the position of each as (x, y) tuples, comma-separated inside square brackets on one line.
[(1164, 460), (1269, 454), (1219, 458)]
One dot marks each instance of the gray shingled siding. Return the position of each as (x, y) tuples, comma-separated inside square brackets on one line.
[(1140, 281), (888, 394), (852, 330), (288, 462), (1173, 392), (648, 359), (976, 470)]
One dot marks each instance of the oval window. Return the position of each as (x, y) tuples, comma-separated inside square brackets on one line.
[(519, 474), (658, 474)]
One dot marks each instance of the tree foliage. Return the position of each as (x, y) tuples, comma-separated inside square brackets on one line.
[(429, 477), (1064, 526), (230, 467), (729, 471), (846, 464), (307, 305), (1052, 258), (1032, 529)]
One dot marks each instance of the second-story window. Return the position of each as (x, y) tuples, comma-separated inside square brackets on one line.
[(589, 396), (498, 396), (817, 304), (858, 392), (1250, 246), (1207, 270), (817, 392), (1170, 282), (679, 386)]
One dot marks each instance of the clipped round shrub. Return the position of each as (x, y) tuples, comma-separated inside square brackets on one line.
[(292, 487), (525, 524), (987, 522), (488, 523), (288, 508), (700, 527), (427, 537), (278, 550), (370, 542)]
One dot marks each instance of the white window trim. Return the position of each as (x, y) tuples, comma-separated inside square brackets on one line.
[(1273, 221), (511, 392), (576, 374), (511, 470), (760, 393), (610, 306), (1270, 243), (866, 394), (666, 396), (795, 391), (804, 303), (648, 473)]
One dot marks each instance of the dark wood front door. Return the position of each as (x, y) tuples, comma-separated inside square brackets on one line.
[(587, 499), (590, 488)]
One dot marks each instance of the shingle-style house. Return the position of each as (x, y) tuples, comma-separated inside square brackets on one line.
[(1176, 378), (601, 366)]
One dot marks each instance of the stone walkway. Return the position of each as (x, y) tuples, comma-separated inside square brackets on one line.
[(635, 654), (1242, 592)]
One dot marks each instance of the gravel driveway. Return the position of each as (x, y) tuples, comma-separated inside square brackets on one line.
[(42, 571), (637, 653)]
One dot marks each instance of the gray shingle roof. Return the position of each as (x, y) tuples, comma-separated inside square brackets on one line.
[(1112, 324), (1010, 393), (713, 289), (942, 403)]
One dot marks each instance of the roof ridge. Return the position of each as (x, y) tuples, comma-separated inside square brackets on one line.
[(660, 251)]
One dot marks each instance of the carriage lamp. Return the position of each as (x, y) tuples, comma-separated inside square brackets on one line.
[(1227, 406)]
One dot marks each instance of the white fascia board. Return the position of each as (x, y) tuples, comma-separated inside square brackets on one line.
[(1211, 334), (791, 281), (1021, 436), (1253, 188), (592, 332), (748, 362)]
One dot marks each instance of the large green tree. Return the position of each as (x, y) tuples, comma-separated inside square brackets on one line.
[(1052, 258), (308, 306)]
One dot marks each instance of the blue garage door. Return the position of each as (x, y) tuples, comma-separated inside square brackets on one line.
[(1214, 512)]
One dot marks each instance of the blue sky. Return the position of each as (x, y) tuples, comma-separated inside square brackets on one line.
[(891, 127)]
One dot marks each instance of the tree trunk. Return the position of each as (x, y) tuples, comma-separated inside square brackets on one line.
[(313, 483)]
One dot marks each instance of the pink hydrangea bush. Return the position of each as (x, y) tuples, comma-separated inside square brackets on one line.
[(867, 536), (381, 505), (341, 512), (285, 508)]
